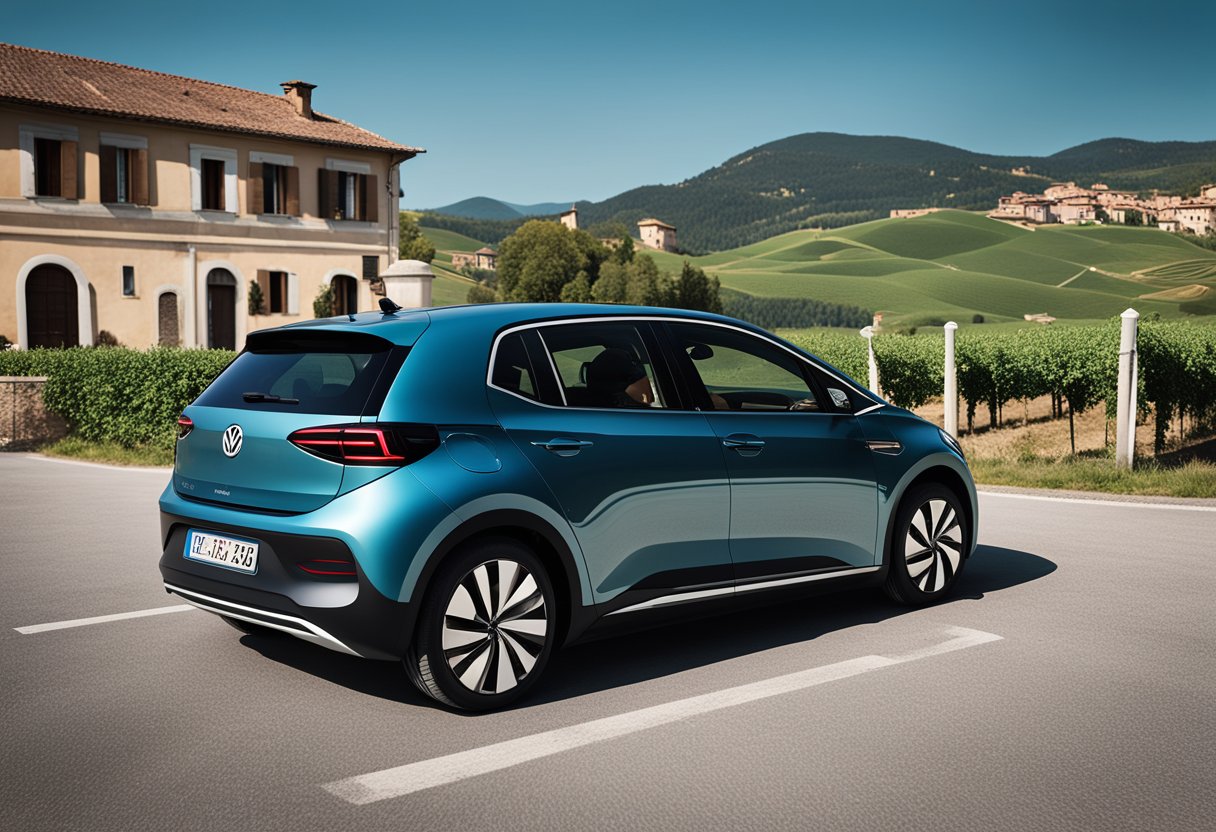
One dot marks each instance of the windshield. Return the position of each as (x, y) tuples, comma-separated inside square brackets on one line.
[(318, 372)]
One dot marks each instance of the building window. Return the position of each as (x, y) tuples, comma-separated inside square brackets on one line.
[(274, 185), (348, 195), (128, 281), (279, 291), (124, 169), (213, 181), (371, 267), (48, 167), (213, 185), (274, 189), (48, 160)]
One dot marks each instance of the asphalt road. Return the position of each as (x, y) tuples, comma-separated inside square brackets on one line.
[(1086, 700)]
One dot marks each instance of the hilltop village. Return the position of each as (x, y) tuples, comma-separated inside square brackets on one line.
[(1070, 204)]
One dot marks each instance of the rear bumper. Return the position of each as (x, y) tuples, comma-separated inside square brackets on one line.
[(347, 615)]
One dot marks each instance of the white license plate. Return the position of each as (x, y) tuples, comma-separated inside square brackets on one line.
[(217, 550)]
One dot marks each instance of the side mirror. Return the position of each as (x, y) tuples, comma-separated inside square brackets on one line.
[(700, 352), (840, 399), (805, 404)]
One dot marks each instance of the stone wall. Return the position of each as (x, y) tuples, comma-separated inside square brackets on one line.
[(24, 420)]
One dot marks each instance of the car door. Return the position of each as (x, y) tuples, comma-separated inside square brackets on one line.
[(803, 492), (642, 483)]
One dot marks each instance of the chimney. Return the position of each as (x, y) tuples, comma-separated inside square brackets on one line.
[(299, 93)]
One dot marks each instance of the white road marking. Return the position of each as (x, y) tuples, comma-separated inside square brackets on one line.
[(100, 619), (1084, 502), (440, 771)]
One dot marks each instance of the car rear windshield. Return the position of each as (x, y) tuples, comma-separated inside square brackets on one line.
[(308, 372)]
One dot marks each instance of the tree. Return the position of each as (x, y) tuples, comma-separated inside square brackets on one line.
[(323, 304), (696, 290), (577, 290), (411, 243), (610, 288), (257, 300), (645, 286), (539, 259), (481, 293)]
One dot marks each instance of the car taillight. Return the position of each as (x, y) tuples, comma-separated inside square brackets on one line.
[(184, 425), (367, 444)]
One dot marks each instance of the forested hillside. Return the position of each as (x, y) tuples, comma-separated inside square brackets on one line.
[(829, 180)]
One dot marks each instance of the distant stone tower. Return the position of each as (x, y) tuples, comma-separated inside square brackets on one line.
[(570, 218)]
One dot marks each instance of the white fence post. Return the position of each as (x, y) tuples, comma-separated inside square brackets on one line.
[(868, 334), (1125, 404), (951, 382)]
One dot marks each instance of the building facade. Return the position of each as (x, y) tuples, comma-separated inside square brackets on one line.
[(148, 206), (657, 234)]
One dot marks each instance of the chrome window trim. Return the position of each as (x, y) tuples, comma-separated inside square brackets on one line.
[(668, 318), (561, 388)]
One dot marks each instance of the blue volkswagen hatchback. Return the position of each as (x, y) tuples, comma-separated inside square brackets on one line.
[(467, 488)]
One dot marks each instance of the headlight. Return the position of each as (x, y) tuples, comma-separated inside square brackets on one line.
[(951, 442)]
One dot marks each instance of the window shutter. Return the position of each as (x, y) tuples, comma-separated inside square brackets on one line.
[(293, 191), (137, 163), (327, 193), (109, 173), (293, 293), (67, 170), (371, 198), (264, 285), (254, 188)]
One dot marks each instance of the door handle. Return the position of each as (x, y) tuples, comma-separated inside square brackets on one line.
[(745, 444), (564, 447)]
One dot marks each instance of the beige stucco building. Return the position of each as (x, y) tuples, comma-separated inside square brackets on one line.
[(657, 234), (144, 205)]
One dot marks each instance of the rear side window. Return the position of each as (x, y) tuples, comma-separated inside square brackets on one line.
[(603, 364), (513, 368), (319, 372)]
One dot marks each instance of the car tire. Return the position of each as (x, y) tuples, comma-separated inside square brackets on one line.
[(486, 627), (928, 545)]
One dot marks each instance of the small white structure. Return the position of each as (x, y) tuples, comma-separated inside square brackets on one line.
[(657, 234), (407, 283), (570, 218)]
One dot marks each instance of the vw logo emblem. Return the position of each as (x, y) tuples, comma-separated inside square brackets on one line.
[(233, 437)]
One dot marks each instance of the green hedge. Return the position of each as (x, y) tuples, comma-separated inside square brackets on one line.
[(121, 395)]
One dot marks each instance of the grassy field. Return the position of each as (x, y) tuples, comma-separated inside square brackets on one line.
[(954, 264), (450, 287)]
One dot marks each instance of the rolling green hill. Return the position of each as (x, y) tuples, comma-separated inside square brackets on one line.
[(450, 287), (831, 180), (954, 264)]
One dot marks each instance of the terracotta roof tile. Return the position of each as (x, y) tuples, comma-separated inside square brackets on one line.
[(50, 79)]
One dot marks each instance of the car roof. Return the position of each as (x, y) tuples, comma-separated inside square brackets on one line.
[(405, 326)]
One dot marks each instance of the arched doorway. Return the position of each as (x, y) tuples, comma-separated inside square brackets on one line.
[(221, 310), (166, 320), (52, 310), (346, 294)]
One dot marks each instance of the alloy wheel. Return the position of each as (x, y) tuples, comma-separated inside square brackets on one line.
[(495, 626), (933, 545)]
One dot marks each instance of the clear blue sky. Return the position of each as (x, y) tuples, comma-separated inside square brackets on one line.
[(544, 101)]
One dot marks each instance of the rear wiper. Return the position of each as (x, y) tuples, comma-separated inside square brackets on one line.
[(268, 397)]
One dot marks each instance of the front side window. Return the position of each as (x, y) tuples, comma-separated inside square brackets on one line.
[(604, 365), (731, 370)]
